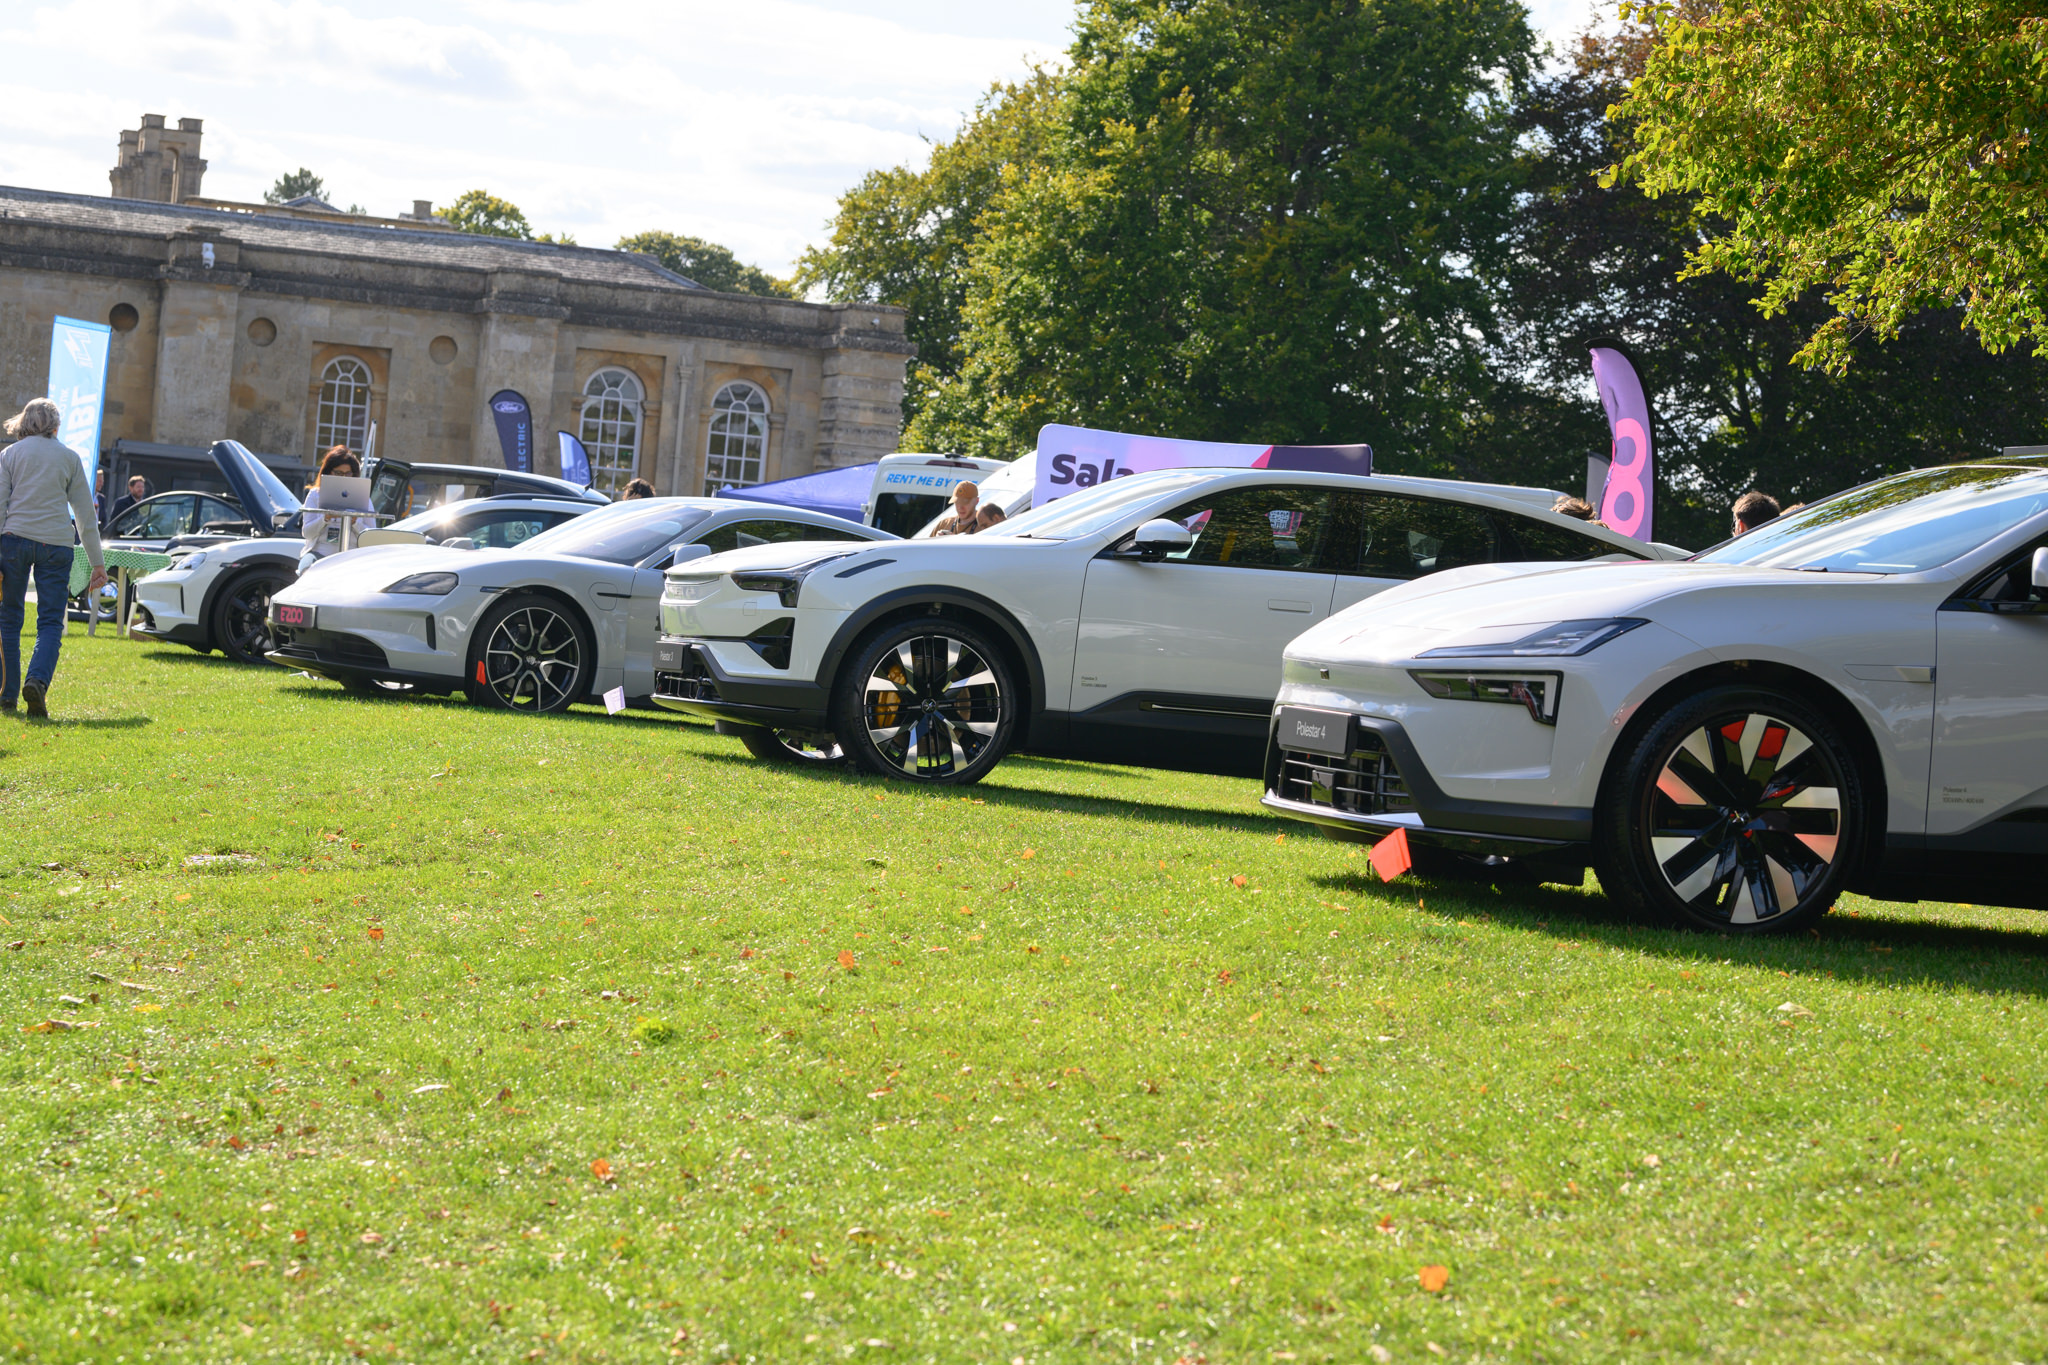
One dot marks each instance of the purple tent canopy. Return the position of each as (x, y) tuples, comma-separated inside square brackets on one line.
[(836, 492)]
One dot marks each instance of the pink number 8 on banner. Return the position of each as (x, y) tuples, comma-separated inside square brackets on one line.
[(1623, 504)]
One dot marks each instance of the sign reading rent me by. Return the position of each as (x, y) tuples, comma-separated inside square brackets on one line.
[(1073, 458), (78, 385)]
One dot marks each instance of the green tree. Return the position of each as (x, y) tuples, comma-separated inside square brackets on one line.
[(902, 236), (295, 185), (483, 213), (1254, 219), (1885, 153), (708, 263)]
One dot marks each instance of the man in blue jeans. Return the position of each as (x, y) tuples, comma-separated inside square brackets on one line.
[(43, 494)]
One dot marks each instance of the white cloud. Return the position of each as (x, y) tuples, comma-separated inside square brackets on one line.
[(738, 123)]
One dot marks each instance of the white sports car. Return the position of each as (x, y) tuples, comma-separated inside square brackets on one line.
[(1847, 698), (1139, 622), (565, 616)]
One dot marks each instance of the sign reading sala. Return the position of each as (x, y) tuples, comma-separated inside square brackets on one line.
[(1073, 458)]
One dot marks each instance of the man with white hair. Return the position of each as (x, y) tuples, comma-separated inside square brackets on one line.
[(43, 494)]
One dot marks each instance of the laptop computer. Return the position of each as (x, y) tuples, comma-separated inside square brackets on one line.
[(338, 494)]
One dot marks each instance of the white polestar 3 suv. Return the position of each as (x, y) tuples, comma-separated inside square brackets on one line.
[(1139, 622), (1850, 697), (560, 617)]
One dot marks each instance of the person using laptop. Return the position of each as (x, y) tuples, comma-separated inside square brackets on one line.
[(323, 534)]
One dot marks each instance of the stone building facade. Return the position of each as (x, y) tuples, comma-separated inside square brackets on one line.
[(291, 331)]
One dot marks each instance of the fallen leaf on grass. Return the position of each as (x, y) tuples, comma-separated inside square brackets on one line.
[(1238, 880), (17, 945), (376, 933), (148, 1007), (847, 959), (60, 1026), (1796, 1011), (602, 1169), (372, 1239), (182, 896), (1029, 853), (1433, 1278), (430, 1088)]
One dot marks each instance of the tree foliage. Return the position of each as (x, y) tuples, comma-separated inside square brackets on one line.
[(483, 213), (295, 185), (1881, 152), (708, 263)]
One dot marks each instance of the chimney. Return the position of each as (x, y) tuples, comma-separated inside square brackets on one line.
[(423, 209), (158, 163)]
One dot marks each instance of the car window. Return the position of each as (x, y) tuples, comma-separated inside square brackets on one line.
[(1269, 527), (391, 494), (1098, 508), (622, 533), (129, 523), (504, 528), (167, 517), (2012, 581), (1908, 523), (213, 509), (738, 535), (1532, 539), (1402, 537)]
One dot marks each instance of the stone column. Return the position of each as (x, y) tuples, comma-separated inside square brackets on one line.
[(860, 407), (195, 347), (522, 320)]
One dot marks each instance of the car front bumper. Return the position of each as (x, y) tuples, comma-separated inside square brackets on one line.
[(689, 678), (407, 644)]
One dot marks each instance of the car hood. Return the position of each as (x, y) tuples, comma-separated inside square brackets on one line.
[(261, 493), (1495, 601)]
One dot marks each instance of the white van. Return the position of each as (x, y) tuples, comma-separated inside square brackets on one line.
[(912, 490)]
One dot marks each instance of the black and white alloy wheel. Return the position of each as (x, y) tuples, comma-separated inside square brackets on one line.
[(530, 654), (1740, 810), (241, 615), (927, 701)]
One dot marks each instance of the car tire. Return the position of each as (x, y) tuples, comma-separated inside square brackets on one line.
[(928, 700), (530, 653), (787, 746), (240, 624), (1739, 810)]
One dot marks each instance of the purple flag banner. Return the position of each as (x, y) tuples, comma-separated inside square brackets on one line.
[(515, 429), (1625, 503)]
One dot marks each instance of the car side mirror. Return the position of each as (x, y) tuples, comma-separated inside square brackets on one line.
[(1158, 538), (2040, 567), (458, 543), (685, 553)]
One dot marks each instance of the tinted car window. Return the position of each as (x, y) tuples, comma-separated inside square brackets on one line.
[(1532, 539), (1400, 537), (213, 509), (738, 535), (160, 517), (502, 529), (1274, 527)]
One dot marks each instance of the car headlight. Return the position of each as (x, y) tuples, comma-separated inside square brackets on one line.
[(425, 584), (191, 561), (1565, 638), (1536, 692), (784, 583), (690, 587)]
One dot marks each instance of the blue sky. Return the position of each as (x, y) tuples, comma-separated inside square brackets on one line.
[(740, 123)]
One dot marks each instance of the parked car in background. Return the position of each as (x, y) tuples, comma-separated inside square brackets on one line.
[(562, 617), (1141, 621), (153, 523), (401, 489), (1848, 698)]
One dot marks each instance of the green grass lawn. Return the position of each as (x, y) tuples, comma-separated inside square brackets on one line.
[(593, 1039)]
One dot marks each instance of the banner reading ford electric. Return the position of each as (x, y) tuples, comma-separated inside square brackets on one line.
[(515, 429), (1073, 458), (78, 386)]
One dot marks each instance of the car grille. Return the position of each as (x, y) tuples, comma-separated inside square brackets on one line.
[(693, 683), (1366, 783), (326, 646)]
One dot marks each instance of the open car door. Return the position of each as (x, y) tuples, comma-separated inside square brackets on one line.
[(269, 505), (391, 488)]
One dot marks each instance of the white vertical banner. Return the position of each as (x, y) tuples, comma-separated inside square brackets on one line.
[(78, 385)]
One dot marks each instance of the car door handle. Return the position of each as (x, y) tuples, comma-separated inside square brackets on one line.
[(1287, 604)]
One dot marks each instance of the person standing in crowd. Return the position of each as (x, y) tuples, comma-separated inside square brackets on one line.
[(323, 534), (966, 508), (637, 489), (138, 489), (989, 515), (43, 495), (1753, 509)]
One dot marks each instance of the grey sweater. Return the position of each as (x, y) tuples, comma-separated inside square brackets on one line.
[(39, 477)]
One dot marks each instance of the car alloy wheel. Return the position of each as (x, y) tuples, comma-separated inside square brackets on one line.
[(530, 655), (791, 746), (1744, 811), (928, 702), (241, 616)]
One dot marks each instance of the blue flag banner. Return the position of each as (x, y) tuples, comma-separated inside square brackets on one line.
[(575, 459), (78, 386), (515, 429)]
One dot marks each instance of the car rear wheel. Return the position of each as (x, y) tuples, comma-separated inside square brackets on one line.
[(241, 615), (530, 653), (790, 746), (1740, 810), (927, 700)]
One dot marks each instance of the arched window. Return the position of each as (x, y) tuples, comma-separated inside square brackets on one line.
[(739, 438), (344, 413), (611, 428)]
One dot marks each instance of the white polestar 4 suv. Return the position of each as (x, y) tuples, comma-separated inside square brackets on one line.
[(1849, 697), (1139, 622)]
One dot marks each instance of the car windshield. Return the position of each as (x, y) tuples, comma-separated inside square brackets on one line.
[(1097, 509), (1904, 524), (623, 533)]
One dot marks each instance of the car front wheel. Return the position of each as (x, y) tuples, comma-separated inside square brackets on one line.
[(927, 700), (241, 615), (530, 653), (1740, 810)]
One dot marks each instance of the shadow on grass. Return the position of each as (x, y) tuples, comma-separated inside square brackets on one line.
[(193, 657), (1877, 950), (582, 714), (63, 722)]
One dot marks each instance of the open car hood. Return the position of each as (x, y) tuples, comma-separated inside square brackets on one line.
[(262, 494)]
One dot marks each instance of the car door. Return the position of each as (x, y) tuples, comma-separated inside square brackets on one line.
[(1987, 790), (1177, 660), (1391, 538), (391, 489)]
